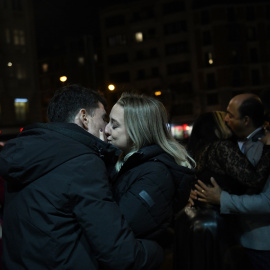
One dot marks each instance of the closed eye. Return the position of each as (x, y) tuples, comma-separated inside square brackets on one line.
[(114, 123)]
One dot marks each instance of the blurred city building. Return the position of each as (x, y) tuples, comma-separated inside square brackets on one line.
[(20, 102), (74, 62), (194, 55)]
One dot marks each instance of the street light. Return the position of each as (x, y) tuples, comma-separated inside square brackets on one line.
[(111, 87), (63, 78)]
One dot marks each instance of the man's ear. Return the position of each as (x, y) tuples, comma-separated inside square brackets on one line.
[(246, 120), (81, 119)]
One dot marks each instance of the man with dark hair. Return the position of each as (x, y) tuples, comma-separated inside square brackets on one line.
[(59, 212)]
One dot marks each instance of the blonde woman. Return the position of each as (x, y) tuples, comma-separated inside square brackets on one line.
[(153, 175)]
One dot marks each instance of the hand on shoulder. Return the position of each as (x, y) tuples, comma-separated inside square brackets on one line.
[(266, 139)]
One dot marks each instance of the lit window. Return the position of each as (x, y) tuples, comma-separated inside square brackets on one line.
[(18, 37), (10, 69), (22, 37), (45, 67), (118, 39), (81, 60), (21, 108), (210, 59), (21, 72), (139, 37)]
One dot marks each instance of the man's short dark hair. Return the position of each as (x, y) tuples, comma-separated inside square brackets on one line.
[(68, 100), (253, 108)]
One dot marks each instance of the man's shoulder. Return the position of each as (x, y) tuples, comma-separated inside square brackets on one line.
[(257, 134), (253, 151)]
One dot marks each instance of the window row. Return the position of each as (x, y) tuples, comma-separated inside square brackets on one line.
[(16, 70), (145, 13), (168, 29), (236, 33), (170, 49), (141, 74), (21, 109), (15, 36), (60, 64), (248, 13), (236, 56), (237, 79)]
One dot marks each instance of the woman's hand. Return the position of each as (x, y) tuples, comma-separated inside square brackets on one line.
[(208, 194), (192, 196), (266, 139)]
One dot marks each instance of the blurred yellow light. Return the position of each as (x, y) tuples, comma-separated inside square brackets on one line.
[(158, 93), (63, 78), (139, 36), (111, 87)]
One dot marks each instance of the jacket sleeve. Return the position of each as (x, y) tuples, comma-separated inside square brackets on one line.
[(106, 231), (246, 204)]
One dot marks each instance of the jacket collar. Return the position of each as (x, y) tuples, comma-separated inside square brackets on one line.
[(103, 149)]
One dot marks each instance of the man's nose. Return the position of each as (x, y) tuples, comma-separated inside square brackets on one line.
[(107, 129)]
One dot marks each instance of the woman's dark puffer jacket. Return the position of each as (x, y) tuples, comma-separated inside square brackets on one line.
[(150, 189)]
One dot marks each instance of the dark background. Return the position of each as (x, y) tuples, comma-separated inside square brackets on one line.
[(56, 21)]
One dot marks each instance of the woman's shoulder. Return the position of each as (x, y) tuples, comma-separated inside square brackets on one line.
[(228, 144)]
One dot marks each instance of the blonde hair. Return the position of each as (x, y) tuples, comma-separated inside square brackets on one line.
[(222, 131), (147, 123)]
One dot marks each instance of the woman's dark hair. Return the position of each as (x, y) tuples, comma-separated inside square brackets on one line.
[(207, 128)]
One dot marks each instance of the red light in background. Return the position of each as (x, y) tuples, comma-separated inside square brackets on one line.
[(185, 126), (21, 129)]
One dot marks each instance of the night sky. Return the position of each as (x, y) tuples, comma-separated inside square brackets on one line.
[(57, 20)]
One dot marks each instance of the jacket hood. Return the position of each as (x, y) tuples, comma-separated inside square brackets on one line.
[(41, 147), (183, 177), (156, 153)]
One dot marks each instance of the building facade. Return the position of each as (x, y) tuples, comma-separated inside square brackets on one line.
[(194, 55), (19, 95), (73, 62)]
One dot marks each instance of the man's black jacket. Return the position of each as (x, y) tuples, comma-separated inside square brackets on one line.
[(59, 212)]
